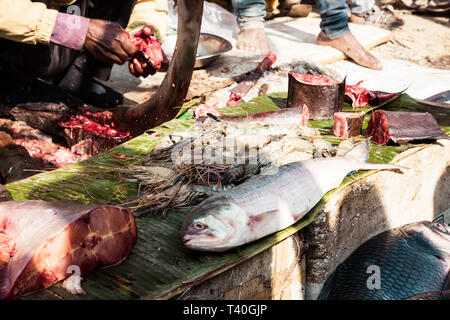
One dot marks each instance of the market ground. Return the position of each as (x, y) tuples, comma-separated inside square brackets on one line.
[(424, 40)]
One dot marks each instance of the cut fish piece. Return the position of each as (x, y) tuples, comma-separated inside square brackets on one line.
[(50, 237), (323, 96), (239, 92), (347, 124), (362, 97), (402, 127)]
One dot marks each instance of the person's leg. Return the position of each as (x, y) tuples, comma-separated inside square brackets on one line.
[(360, 6), (250, 17), (335, 33)]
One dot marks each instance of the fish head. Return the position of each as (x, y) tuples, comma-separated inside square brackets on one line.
[(215, 225)]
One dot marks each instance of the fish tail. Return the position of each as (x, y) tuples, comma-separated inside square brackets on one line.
[(361, 154)]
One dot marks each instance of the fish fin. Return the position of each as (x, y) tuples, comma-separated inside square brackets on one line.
[(360, 151)]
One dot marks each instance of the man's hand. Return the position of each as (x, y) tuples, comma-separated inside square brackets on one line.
[(109, 42), (141, 65)]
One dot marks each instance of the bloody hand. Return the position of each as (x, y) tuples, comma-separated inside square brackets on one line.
[(109, 42)]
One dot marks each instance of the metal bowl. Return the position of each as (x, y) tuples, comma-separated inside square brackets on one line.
[(210, 48)]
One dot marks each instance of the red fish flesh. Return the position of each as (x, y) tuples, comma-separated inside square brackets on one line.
[(204, 109), (402, 127), (347, 124), (149, 50), (316, 79), (40, 240), (362, 97), (238, 92), (89, 133)]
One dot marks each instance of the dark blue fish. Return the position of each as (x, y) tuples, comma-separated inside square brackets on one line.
[(410, 262)]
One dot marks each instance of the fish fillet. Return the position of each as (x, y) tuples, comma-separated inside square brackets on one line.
[(46, 239)]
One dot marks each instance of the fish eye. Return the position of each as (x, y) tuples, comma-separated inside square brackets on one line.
[(199, 226)]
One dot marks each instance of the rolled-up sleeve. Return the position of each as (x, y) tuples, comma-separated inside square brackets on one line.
[(26, 21), (149, 12)]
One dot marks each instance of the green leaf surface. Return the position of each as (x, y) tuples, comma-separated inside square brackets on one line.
[(159, 266)]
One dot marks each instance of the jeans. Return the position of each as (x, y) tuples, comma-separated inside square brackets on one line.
[(250, 14), (360, 6), (334, 15)]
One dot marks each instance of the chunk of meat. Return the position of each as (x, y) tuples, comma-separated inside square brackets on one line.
[(149, 50), (239, 92), (402, 127), (348, 124), (50, 237), (362, 97), (323, 96)]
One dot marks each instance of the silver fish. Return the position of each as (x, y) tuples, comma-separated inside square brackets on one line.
[(265, 204)]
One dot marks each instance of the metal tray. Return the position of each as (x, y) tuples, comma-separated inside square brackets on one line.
[(210, 48)]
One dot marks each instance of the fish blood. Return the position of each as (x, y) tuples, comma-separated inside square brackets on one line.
[(348, 124), (269, 202), (40, 240), (95, 130)]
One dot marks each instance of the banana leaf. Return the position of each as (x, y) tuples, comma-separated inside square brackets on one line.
[(159, 267)]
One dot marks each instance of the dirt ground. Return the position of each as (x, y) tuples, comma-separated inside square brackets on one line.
[(422, 39)]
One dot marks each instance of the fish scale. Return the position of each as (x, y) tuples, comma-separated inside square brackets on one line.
[(285, 187)]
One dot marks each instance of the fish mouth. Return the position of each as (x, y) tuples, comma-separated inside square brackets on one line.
[(188, 243), (205, 243)]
